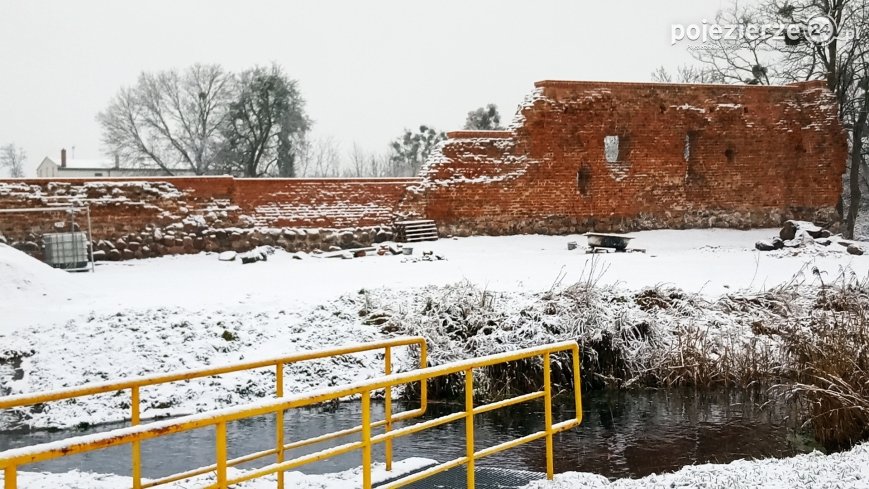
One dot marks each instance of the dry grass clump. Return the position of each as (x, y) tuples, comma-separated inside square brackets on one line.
[(828, 363), (811, 340)]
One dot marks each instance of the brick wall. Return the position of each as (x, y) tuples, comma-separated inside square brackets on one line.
[(190, 214), (688, 156)]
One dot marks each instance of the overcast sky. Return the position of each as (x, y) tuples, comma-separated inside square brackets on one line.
[(366, 68)]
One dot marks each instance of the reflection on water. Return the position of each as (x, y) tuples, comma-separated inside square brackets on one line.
[(623, 434)]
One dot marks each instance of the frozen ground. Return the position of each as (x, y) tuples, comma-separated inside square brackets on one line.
[(709, 261), (840, 470)]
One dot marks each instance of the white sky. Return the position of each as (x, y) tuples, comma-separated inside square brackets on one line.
[(366, 68)]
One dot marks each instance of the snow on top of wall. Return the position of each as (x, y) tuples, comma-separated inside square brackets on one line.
[(528, 102), (91, 191)]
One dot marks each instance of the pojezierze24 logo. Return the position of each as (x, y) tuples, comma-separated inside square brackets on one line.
[(819, 30)]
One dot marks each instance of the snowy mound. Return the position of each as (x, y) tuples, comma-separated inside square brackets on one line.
[(24, 277)]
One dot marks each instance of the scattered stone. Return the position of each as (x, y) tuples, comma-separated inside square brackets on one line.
[(762, 246), (778, 243), (227, 256), (114, 255), (790, 228), (824, 241), (100, 255), (855, 250), (359, 253), (3, 239)]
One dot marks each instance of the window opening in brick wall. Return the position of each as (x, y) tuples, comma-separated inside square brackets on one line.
[(611, 149), (730, 154), (583, 179)]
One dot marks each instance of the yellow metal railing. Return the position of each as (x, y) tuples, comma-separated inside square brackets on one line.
[(11, 460), (136, 384)]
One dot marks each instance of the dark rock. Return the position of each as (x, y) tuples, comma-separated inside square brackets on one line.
[(113, 255), (382, 236), (825, 233), (764, 246), (100, 255), (855, 250), (790, 228), (777, 243), (823, 241)]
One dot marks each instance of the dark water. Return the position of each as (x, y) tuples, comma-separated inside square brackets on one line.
[(623, 434)]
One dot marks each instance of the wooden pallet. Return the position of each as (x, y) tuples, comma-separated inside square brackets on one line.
[(413, 231)]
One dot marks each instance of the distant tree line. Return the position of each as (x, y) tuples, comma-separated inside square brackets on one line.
[(207, 120)]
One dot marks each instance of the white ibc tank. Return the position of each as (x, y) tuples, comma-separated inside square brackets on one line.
[(66, 250)]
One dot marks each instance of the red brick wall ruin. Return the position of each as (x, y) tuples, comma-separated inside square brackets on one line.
[(679, 156), (688, 156)]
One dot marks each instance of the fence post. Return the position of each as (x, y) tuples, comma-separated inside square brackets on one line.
[(547, 413), (279, 423), (220, 452), (577, 384), (366, 440), (9, 478), (423, 383), (387, 396), (137, 445), (469, 425)]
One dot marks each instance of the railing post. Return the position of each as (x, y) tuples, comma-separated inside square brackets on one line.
[(9, 478), (547, 414), (220, 454), (387, 397), (279, 423), (366, 440), (423, 384), (577, 384), (137, 445), (469, 425)]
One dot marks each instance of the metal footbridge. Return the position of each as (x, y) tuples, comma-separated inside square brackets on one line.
[(457, 473)]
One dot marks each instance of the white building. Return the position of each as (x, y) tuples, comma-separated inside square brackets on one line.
[(72, 168)]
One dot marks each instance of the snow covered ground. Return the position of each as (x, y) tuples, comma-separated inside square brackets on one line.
[(711, 261), (296, 480), (840, 470), (815, 470), (173, 313), (167, 314)]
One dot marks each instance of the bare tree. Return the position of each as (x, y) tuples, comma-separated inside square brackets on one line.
[(12, 157), (318, 158), (685, 74), (171, 119), (368, 164)]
